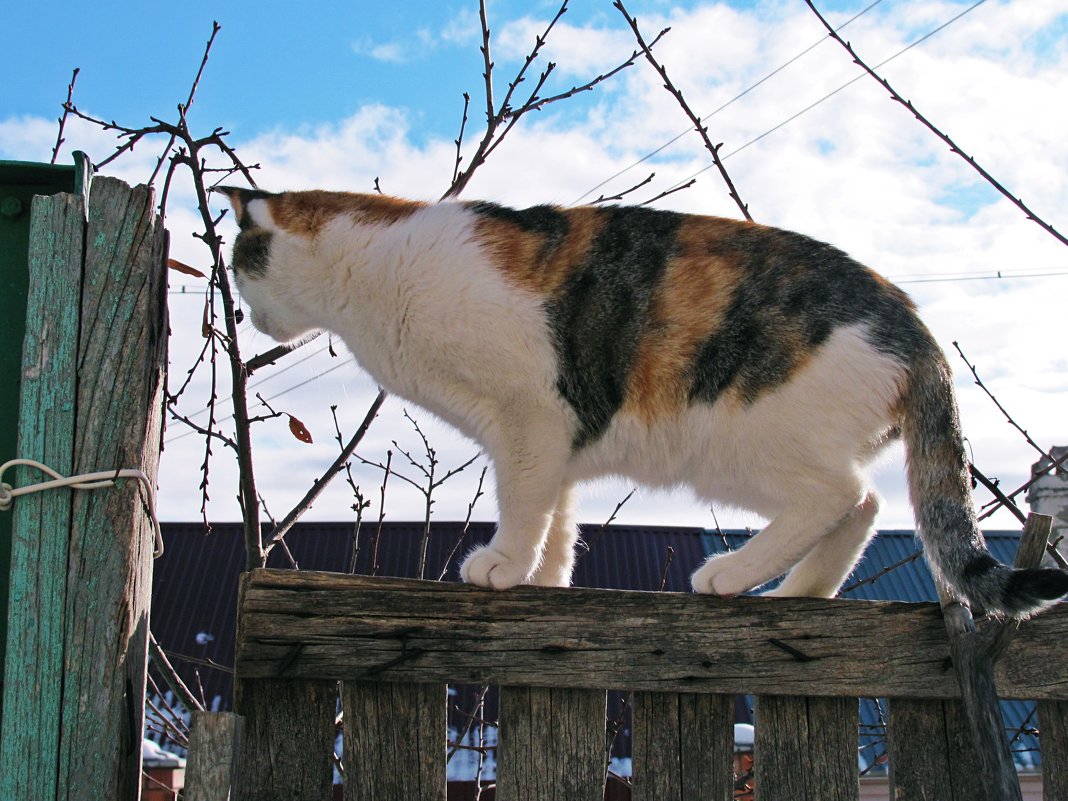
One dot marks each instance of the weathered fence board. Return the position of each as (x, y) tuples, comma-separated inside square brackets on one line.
[(317, 625), (932, 755), (682, 747), (551, 744), (33, 675), (288, 743), (806, 748), (394, 745), (214, 751)]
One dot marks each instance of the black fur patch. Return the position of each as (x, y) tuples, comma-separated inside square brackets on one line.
[(252, 249), (792, 293), (602, 310), (979, 566), (548, 221), (1041, 583)]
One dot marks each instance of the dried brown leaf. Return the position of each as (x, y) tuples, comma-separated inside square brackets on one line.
[(178, 266), (299, 430)]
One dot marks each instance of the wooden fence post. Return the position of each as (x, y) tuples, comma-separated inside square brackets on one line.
[(93, 363)]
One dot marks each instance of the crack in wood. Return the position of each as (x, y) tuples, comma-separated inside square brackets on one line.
[(407, 655), (799, 655)]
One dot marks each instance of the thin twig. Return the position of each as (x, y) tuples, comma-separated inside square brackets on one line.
[(671, 191), (990, 179), (460, 138), (624, 193), (587, 544), (66, 111), (701, 129)]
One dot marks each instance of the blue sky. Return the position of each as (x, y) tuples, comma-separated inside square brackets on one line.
[(335, 94)]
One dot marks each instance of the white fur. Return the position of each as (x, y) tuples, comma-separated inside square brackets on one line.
[(427, 314)]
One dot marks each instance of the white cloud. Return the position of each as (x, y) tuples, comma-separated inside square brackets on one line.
[(390, 52)]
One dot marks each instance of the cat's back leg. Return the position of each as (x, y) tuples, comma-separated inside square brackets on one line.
[(804, 521), (829, 563)]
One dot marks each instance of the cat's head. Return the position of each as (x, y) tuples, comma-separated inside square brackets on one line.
[(267, 259)]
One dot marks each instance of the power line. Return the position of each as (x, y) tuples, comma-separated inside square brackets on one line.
[(739, 96), (828, 96)]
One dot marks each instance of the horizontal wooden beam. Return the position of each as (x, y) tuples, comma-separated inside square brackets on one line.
[(304, 624)]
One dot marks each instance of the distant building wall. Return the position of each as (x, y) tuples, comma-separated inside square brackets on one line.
[(1049, 494)]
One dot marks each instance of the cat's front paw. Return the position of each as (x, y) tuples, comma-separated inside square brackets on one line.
[(720, 575), (487, 567)]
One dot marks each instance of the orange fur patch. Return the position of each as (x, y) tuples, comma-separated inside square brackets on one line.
[(522, 255), (306, 213), (689, 306)]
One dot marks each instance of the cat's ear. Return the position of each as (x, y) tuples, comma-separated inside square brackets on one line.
[(241, 199)]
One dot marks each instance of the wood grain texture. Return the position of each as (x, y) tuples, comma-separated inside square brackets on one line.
[(1053, 739), (551, 744), (319, 625), (806, 748), (121, 360), (683, 747), (33, 672), (932, 757), (288, 743), (211, 768), (395, 738)]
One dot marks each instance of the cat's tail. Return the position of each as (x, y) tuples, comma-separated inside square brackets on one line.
[(940, 489)]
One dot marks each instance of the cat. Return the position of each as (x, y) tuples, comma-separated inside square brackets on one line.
[(757, 366)]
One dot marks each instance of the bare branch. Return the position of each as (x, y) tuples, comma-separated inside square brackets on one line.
[(625, 192), (937, 132), (273, 355), (460, 138), (66, 111), (701, 129), (671, 191), (316, 489)]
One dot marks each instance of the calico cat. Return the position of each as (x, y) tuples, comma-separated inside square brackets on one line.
[(756, 366)]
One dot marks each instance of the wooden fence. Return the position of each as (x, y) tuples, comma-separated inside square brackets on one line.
[(394, 644)]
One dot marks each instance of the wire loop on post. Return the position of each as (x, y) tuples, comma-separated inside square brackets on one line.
[(85, 481)]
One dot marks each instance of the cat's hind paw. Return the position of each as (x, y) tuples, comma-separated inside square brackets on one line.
[(487, 567), (720, 575)]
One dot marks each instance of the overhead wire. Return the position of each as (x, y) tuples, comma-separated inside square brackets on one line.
[(737, 97), (828, 96)]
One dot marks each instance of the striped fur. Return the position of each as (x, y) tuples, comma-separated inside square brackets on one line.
[(756, 366)]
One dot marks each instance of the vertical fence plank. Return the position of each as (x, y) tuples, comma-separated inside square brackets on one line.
[(932, 754), (214, 750), (395, 742), (682, 747), (806, 748), (121, 359), (551, 744), (1053, 739), (288, 744), (33, 671)]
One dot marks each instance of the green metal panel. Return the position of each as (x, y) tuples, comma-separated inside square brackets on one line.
[(19, 182)]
